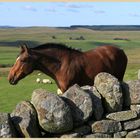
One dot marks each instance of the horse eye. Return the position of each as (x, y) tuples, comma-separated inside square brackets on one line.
[(23, 61)]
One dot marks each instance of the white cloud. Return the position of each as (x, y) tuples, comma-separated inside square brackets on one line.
[(73, 10), (134, 14), (99, 12), (75, 5), (50, 10), (30, 8)]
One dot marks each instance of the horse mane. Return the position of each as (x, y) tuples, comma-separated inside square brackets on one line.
[(56, 46)]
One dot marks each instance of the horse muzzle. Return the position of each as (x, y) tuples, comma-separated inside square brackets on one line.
[(13, 81)]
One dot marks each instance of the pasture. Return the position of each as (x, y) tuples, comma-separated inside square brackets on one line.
[(11, 38)]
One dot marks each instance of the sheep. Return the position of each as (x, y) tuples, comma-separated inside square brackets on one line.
[(39, 74), (139, 74), (59, 92), (38, 80), (46, 81)]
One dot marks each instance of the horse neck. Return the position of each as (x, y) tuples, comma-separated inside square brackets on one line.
[(50, 61)]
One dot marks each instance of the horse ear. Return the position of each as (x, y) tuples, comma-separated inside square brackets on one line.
[(24, 48)]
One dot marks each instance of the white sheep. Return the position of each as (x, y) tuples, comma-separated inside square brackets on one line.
[(46, 81), (39, 74), (139, 74), (59, 92), (38, 80)]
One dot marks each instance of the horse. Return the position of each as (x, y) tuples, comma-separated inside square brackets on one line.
[(68, 66)]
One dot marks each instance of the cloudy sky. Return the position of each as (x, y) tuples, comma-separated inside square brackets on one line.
[(69, 13)]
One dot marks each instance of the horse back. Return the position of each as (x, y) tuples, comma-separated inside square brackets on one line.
[(108, 59)]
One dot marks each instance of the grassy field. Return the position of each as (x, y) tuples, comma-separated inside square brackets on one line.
[(11, 38)]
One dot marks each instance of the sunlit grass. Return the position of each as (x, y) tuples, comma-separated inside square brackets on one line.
[(11, 95)]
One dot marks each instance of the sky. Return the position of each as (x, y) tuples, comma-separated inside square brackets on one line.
[(54, 14)]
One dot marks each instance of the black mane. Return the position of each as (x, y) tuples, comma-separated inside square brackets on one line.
[(55, 45)]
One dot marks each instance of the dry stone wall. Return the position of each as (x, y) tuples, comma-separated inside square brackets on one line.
[(107, 109)]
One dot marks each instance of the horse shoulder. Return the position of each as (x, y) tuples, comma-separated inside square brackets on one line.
[(69, 71), (62, 75)]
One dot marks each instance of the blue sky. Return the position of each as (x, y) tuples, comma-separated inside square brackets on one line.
[(69, 13)]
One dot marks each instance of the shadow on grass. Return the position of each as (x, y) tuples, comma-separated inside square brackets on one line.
[(96, 43), (18, 43)]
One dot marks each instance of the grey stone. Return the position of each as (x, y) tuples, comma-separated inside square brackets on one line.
[(133, 134), (25, 120), (121, 134), (71, 135), (96, 100), (110, 89), (83, 130), (106, 126), (131, 91), (80, 103), (132, 124), (136, 108), (6, 128), (53, 113), (98, 135), (122, 115)]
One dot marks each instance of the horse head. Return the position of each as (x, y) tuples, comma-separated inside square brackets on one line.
[(23, 66)]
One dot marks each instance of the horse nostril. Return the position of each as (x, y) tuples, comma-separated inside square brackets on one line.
[(12, 80)]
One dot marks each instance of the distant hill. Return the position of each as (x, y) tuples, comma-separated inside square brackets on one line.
[(106, 27), (92, 27), (6, 27)]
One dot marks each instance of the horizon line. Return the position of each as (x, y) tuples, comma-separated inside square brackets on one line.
[(16, 26)]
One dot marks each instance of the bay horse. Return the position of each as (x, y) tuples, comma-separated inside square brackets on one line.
[(68, 66)]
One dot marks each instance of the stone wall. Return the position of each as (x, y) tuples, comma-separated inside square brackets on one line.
[(107, 109)]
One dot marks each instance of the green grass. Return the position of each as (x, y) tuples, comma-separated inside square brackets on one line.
[(8, 55), (11, 95)]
